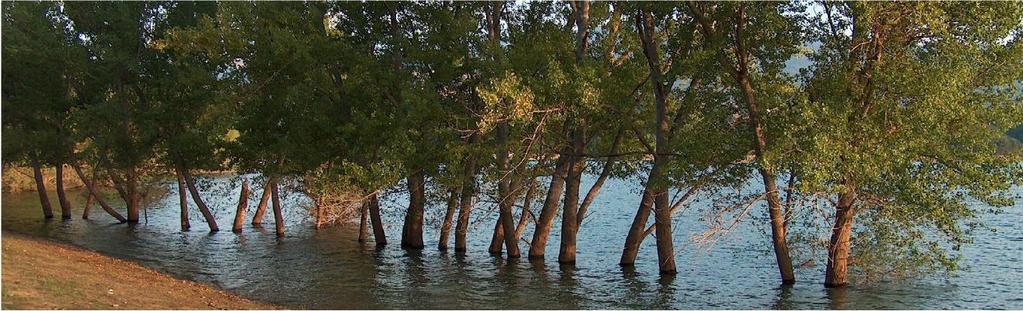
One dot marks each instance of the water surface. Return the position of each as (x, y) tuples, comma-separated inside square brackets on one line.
[(327, 268)]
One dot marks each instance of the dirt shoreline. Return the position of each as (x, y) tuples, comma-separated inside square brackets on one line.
[(44, 274)]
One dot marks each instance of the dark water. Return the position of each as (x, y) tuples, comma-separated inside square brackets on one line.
[(327, 268)]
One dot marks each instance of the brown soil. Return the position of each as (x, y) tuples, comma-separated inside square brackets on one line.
[(41, 274)]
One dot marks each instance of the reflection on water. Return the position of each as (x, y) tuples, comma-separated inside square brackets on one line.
[(328, 268)]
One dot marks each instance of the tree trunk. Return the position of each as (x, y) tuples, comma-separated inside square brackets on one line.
[(257, 218), (468, 194), (449, 215), (497, 240), (364, 222), (412, 231), (131, 195), (506, 199), (550, 207), (118, 185), (44, 199), (570, 210), (635, 237), (656, 187), (89, 198), (65, 206), (378, 224), (95, 194), (318, 203), (210, 220), (665, 245), (582, 21), (741, 76), (183, 199), (88, 205), (781, 248), (597, 185), (836, 273), (243, 203), (527, 202), (278, 214), (569, 221)]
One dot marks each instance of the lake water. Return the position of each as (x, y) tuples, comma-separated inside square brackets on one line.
[(328, 268)]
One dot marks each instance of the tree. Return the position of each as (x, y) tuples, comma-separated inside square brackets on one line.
[(117, 117), (905, 102), (758, 53), (41, 85)]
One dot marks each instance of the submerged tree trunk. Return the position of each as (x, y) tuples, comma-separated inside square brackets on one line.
[(635, 237), (278, 214), (65, 206), (44, 199), (570, 210), (527, 202), (836, 273), (243, 203), (412, 231), (497, 239), (449, 215), (466, 200), (378, 224), (89, 196), (569, 223), (183, 199), (778, 236), (364, 222), (257, 218), (131, 195), (550, 207), (506, 199), (88, 206), (665, 245), (210, 220), (655, 194), (95, 194)]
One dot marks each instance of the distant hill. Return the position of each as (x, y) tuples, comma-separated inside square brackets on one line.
[(1017, 133), (1012, 141)]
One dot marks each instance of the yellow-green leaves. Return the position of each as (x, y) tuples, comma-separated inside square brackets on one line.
[(505, 99), (232, 135)]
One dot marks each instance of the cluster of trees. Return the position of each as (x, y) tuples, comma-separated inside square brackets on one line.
[(891, 123)]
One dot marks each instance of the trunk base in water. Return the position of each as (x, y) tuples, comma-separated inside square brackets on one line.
[(376, 222), (542, 230), (205, 210), (635, 237), (364, 223), (412, 231), (836, 273), (665, 245), (278, 216), (41, 190), (497, 240), (65, 206), (449, 215), (257, 218), (243, 203)]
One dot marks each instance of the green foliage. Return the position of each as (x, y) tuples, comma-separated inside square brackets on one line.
[(41, 83)]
